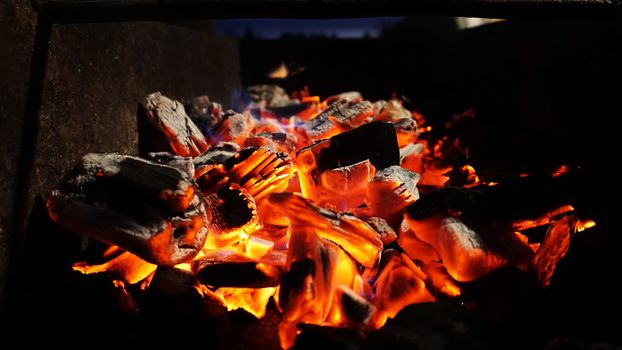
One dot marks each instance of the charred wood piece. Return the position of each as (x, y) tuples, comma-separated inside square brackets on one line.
[(351, 233), (385, 232), (260, 171), (282, 141), (329, 167), (340, 116), (391, 190), (217, 154), (235, 127), (458, 224), (439, 280), (269, 96), (375, 141), (412, 150), (184, 164), (204, 113), (307, 289), (414, 247), (170, 119), (210, 172), (148, 209), (554, 247), (356, 311), (225, 268), (179, 292), (120, 263), (231, 212), (399, 283), (392, 111)]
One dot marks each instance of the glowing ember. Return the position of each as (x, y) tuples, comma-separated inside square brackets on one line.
[(332, 230)]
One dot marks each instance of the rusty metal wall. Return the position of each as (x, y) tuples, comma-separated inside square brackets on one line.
[(96, 74)]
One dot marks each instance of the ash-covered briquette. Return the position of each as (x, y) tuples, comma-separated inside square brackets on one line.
[(169, 118), (218, 154), (148, 209)]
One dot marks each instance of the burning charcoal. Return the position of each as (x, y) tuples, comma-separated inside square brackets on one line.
[(411, 157), (392, 111), (434, 173), (414, 247), (315, 268), (212, 179), (349, 114), (424, 216), (340, 116), (252, 300), (210, 173), (306, 288), (399, 283), (345, 187), (352, 234), (204, 113), (375, 143), (440, 280), (468, 251), (178, 292), (260, 171), (255, 247), (225, 268), (555, 245), (148, 209), (410, 150), (356, 311), (184, 164), (236, 127), (406, 130), (124, 265), (314, 337), (391, 190), (231, 212), (269, 96), (405, 125), (464, 252), (545, 219), (348, 96), (385, 232), (215, 155), (169, 117), (281, 141)]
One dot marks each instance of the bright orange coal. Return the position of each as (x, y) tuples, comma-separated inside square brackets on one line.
[(314, 237)]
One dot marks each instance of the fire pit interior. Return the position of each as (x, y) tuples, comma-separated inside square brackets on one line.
[(431, 188)]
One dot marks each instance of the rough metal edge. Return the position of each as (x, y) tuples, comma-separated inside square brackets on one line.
[(120, 10)]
